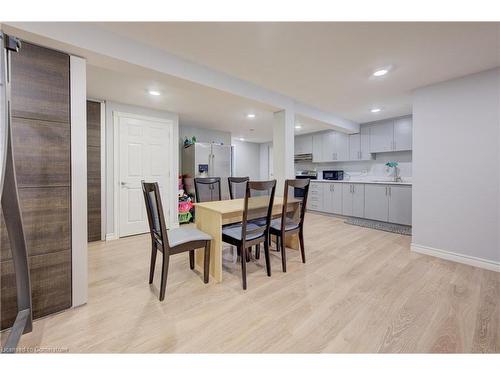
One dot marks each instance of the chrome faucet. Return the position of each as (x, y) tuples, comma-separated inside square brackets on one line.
[(397, 177)]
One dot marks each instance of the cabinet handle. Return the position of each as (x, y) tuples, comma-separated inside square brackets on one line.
[(353, 189), (386, 190), (390, 191), (360, 155)]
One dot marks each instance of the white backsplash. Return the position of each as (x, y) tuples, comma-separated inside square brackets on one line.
[(365, 169)]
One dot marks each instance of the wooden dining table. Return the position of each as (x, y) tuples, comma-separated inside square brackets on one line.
[(211, 216)]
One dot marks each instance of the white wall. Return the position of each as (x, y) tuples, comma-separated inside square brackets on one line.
[(110, 163), (246, 159), (264, 161), (456, 169), (79, 251), (202, 135), (372, 168)]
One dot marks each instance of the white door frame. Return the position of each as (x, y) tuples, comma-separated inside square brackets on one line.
[(173, 167)]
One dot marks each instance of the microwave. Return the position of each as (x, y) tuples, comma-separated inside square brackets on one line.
[(333, 175)]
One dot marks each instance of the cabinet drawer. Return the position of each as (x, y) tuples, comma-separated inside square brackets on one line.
[(314, 205)]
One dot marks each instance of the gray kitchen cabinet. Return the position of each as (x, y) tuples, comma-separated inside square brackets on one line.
[(382, 136), (359, 145), (353, 200), (334, 146), (332, 195), (342, 146), (315, 199), (391, 135), (391, 203), (303, 144), (328, 146), (399, 204), (376, 202), (317, 143), (354, 146), (403, 134)]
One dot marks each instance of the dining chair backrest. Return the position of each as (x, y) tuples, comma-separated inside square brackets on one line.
[(207, 189), (154, 209), (237, 187), (259, 199), (295, 191)]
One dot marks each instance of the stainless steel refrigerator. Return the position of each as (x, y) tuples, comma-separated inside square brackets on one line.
[(207, 160)]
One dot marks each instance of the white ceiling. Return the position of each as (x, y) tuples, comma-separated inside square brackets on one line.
[(196, 105), (328, 65)]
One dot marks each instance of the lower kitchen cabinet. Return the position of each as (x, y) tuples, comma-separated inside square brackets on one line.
[(400, 204), (315, 199), (332, 195), (390, 203), (353, 200), (376, 202)]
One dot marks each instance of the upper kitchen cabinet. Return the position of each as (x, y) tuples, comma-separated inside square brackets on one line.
[(359, 145), (317, 143), (382, 136), (303, 144), (391, 135), (330, 146), (403, 134)]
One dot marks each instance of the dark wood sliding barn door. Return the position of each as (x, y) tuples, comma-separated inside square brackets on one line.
[(41, 143), (94, 170)]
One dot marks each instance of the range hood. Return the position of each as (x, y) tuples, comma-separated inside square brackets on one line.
[(302, 157)]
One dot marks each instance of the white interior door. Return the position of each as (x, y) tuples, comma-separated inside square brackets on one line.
[(143, 155)]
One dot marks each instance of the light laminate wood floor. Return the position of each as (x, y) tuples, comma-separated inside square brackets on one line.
[(361, 290)]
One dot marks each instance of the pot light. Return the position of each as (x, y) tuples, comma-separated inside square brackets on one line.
[(241, 139), (154, 93), (375, 110), (298, 126), (380, 72), (251, 115)]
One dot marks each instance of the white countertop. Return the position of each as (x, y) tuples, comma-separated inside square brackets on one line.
[(355, 181)]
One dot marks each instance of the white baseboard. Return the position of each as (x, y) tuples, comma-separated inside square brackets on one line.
[(111, 237), (460, 258)]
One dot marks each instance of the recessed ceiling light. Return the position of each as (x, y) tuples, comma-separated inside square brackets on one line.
[(375, 110), (380, 72), (154, 93), (241, 139), (298, 126), (251, 115)]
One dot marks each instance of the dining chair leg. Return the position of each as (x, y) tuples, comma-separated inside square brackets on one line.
[(154, 251), (191, 259), (248, 252), (302, 250), (164, 274), (244, 267), (268, 258), (278, 241), (206, 263), (257, 251), (283, 253)]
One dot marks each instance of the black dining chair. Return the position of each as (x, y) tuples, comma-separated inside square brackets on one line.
[(207, 189), (291, 222), (258, 202), (237, 187), (172, 241)]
